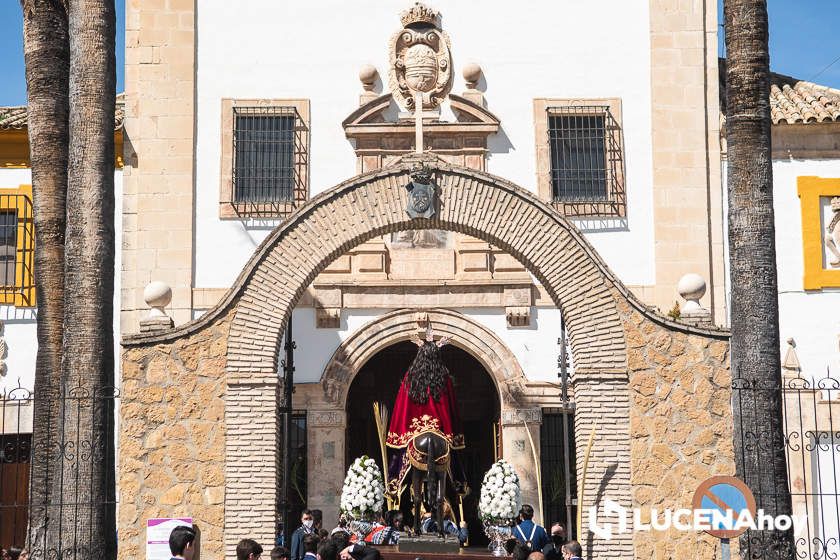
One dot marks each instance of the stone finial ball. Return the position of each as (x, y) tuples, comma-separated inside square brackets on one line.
[(691, 286), (367, 74), (471, 73), (157, 294)]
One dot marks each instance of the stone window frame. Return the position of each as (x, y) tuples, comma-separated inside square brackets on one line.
[(228, 209), (615, 206)]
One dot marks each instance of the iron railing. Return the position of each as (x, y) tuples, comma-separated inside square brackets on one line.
[(47, 501), (587, 161), (270, 160), (17, 250), (811, 440)]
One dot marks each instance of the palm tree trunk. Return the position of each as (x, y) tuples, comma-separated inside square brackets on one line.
[(88, 523), (755, 359), (47, 53)]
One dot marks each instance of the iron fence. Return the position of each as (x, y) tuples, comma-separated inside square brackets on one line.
[(811, 444), (57, 473)]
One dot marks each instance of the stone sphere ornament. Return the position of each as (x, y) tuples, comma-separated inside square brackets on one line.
[(157, 295), (691, 288), (471, 73), (367, 75)]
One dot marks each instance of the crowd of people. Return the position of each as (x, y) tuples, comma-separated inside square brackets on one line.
[(310, 541), (13, 554)]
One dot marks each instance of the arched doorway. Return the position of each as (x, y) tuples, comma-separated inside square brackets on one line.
[(478, 403)]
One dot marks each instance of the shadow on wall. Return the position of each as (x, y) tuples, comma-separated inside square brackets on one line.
[(596, 502)]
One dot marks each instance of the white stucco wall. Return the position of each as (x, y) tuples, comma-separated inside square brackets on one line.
[(812, 317), (535, 347), (20, 323), (269, 49)]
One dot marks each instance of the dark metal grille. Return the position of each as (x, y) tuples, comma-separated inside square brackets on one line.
[(269, 159), (586, 160), (17, 245), (299, 468), (811, 441), (558, 486), (55, 501)]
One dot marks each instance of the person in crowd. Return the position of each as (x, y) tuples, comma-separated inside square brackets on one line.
[(520, 551), (182, 543), (12, 553), (317, 519), (248, 549), (553, 550), (536, 556), (327, 550), (529, 533), (572, 551), (310, 546), (388, 532), (353, 551), (279, 553), (429, 524), (307, 526)]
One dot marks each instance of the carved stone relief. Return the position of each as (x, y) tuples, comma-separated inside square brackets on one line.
[(420, 59)]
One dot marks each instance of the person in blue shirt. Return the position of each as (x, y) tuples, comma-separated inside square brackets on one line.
[(307, 527), (529, 533)]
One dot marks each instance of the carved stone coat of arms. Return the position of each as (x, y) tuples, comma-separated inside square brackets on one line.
[(421, 61)]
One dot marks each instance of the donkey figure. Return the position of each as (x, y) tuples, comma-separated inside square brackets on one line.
[(429, 455)]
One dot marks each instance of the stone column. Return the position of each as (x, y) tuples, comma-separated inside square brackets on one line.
[(517, 451), (251, 466), (602, 400), (325, 434)]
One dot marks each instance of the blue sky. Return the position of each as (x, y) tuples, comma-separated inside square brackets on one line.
[(803, 42)]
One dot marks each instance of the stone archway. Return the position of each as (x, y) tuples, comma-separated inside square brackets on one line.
[(396, 326), (328, 408), (636, 371)]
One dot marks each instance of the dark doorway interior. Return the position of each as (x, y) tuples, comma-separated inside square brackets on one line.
[(478, 403)]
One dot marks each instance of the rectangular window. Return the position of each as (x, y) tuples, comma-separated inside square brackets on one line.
[(264, 154), (8, 247), (17, 247), (265, 160), (557, 465), (580, 156)]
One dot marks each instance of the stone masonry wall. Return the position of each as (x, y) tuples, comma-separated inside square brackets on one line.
[(172, 437), (680, 427)]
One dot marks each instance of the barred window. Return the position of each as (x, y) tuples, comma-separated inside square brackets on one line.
[(578, 156), (8, 247), (17, 247), (265, 159), (581, 160)]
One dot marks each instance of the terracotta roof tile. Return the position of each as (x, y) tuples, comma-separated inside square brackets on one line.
[(793, 101), (15, 117)]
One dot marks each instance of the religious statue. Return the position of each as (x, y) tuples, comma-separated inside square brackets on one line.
[(832, 234), (424, 430)]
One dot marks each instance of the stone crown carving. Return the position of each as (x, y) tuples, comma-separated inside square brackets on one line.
[(420, 60), (419, 13)]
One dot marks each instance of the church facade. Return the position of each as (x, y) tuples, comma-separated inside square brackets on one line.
[(577, 172), (573, 192)]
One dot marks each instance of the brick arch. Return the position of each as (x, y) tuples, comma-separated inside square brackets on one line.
[(472, 202), (397, 326)]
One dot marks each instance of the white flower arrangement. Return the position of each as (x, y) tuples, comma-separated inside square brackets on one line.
[(364, 491), (500, 498)]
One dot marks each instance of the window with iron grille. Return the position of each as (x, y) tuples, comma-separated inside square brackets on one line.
[(17, 249), (586, 161), (268, 163)]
